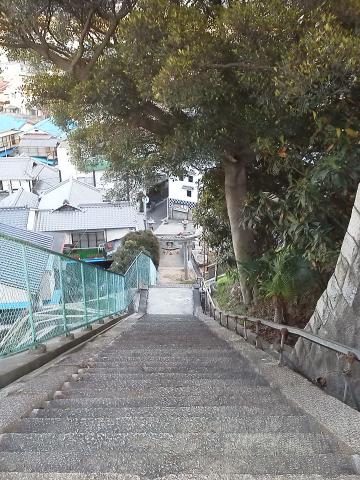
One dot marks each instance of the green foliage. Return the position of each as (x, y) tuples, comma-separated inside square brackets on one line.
[(182, 83), (133, 244), (283, 273)]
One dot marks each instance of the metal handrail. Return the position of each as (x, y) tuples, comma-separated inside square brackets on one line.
[(351, 354)]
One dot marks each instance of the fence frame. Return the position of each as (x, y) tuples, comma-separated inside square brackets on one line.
[(115, 300)]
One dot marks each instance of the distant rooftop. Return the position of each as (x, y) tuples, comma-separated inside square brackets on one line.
[(51, 241), (71, 192), (21, 198), (23, 167), (14, 216), (9, 122), (49, 126), (38, 139), (88, 217)]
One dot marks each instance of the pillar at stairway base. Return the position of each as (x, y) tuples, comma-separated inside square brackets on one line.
[(41, 348), (66, 338)]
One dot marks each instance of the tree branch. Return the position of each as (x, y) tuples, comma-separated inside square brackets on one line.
[(245, 66)]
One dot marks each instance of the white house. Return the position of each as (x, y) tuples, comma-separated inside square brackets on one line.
[(183, 195), (26, 173), (77, 210)]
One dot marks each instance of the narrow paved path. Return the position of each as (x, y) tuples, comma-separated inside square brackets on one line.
[(170, 399)]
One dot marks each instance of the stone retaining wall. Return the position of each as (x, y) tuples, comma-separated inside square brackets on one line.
[(337, 317)]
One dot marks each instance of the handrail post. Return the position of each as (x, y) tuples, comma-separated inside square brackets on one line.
[(227, 320), (284, 333), (108, 295), (137, 272), (220, 317), (236, 324), (63, 301), (83, 290), (257, 333), (28, 290), (245, 329), (97, 291)]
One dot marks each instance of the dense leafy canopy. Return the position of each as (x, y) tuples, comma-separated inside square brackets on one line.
[(161, 85), (134, 243)]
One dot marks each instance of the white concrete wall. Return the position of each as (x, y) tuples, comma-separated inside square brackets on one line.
[(116, 233), (178, 188), (13, 185), (67, 166)]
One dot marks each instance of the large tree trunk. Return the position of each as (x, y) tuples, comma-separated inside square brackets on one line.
[(235, 193)]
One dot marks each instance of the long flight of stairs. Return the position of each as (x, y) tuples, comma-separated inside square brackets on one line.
[(169, 399)]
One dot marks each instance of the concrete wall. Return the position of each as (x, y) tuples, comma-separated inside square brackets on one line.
[(178, 188), (66, 165), (337, 317)]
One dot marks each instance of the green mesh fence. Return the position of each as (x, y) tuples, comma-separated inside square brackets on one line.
[(44, 294)]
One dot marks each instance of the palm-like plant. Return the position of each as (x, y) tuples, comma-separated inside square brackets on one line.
[(281, 276), (289, 275)]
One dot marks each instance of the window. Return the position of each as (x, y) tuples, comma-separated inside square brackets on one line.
[(88, 239), (188, 193), (191, 178)]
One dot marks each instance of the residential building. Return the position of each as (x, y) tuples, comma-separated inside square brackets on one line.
[(26, 173), (9, 140), (183, 195), (40, 145), (77, 210)]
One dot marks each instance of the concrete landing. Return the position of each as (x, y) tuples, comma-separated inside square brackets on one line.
[(170, 301)]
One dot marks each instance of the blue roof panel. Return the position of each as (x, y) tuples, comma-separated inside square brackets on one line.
[(48, 125), (8, 122)]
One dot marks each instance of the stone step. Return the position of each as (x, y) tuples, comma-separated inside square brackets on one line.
[(115, 476), (161, 463), (169, 378), (105, 399), (165, 353), (164, 368), (243, 394), (245, 424), (151, 443), (70, 408)]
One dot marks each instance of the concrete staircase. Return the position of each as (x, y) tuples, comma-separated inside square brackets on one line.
[(169, 399)]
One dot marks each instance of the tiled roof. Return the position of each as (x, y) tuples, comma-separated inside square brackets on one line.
[(72, 192), (15, 168), (21, 198), (34, 139), (46, 240), (12, 271), (24, 167), (88, 217), (15, 216)]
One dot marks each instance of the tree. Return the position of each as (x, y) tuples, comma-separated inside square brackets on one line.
[(133, 244), (163, 85)]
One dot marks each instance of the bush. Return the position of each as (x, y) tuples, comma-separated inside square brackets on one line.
[(133, 244)]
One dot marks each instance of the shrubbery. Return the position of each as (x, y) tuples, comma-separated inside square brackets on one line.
[(133, 244)]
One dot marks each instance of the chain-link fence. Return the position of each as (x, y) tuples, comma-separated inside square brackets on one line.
[(44, 294)]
